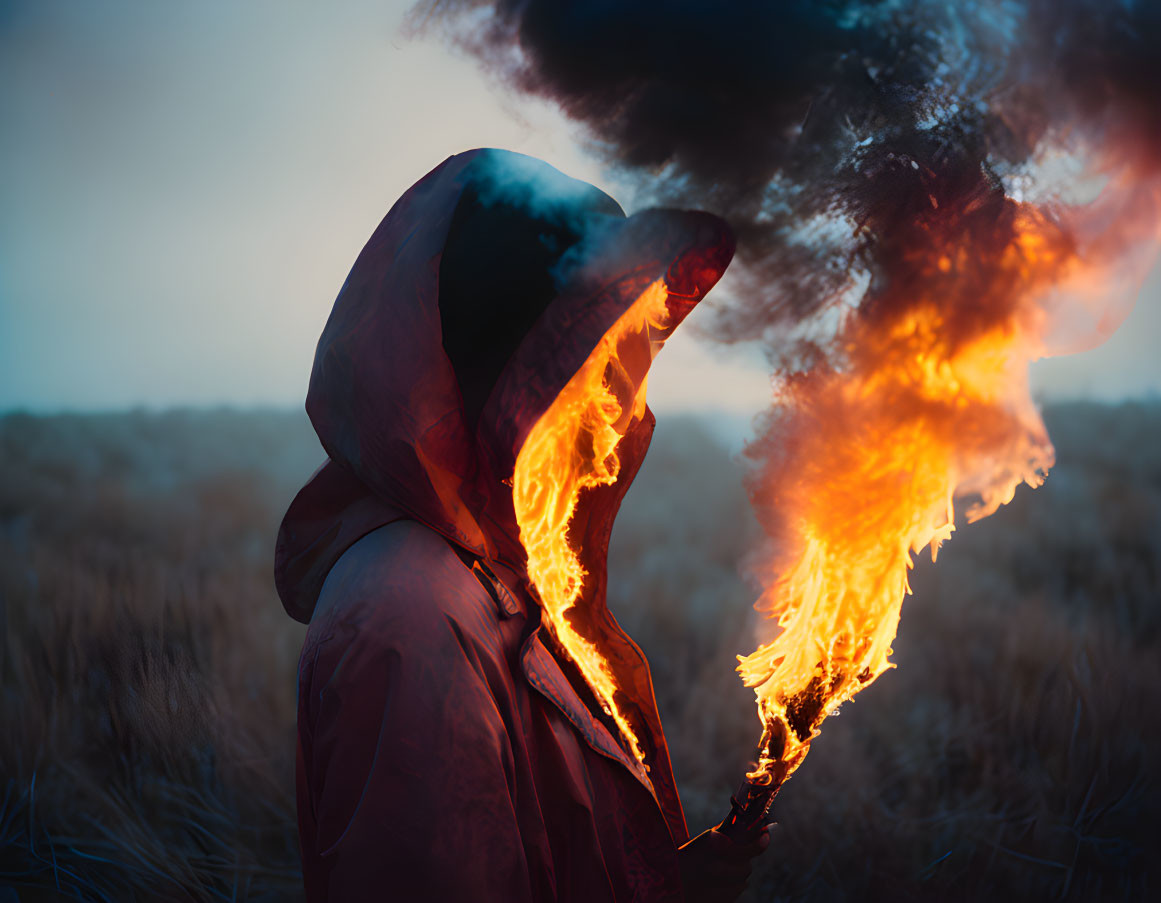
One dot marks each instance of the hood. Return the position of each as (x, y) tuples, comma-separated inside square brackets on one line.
[(479, 296)]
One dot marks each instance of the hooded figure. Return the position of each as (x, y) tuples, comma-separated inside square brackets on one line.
[(473, 724)]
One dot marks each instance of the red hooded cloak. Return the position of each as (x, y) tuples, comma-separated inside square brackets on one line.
[(447, 748)]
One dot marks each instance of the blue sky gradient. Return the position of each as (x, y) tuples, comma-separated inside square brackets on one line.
[(183, 188)]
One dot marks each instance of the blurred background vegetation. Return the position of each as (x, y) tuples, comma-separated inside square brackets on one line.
[(147, 670)]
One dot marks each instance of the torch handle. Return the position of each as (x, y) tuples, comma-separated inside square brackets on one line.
[(749, 811)]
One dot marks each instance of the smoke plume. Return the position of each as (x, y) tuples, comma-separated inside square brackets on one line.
[(928, 197), (826, 131)]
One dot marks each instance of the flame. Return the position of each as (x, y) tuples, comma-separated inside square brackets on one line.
[(867, 461), (573, 447)]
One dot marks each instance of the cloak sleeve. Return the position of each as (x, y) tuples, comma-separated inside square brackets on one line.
[(406, 772)]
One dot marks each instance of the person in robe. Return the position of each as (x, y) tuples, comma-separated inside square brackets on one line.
[(473, 725)]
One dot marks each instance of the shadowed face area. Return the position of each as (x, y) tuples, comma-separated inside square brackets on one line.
[(499, 271)]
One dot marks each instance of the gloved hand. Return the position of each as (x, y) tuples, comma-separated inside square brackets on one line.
[(715, 869)]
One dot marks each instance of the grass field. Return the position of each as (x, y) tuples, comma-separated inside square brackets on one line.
[(147, 671)]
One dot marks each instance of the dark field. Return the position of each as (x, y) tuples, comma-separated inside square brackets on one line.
[(147, 671)]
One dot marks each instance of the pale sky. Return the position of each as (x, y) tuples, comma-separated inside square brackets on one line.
[(184, 186)]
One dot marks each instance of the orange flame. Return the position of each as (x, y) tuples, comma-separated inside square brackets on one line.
[(573, 447), (867, 461)]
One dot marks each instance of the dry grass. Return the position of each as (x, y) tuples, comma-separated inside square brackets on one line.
[(148, 693), (147, 671)]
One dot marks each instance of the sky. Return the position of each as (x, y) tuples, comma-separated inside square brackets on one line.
[(184, 186)]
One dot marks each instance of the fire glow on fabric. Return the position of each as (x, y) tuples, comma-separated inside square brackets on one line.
[(572, 447), (927, 413)]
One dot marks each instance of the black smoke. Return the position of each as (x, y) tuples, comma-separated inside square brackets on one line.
[(829, 134)]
